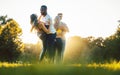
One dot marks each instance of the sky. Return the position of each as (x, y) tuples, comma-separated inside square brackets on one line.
[(84, 18)]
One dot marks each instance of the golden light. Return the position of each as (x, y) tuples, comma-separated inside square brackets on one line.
[(7, 65), (30, 38)]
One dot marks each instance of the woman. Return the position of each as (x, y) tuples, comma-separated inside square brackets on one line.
[(61, 29), (42, 31), (39, 26)]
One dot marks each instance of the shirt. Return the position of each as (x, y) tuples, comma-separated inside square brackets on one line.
[(48, 21)]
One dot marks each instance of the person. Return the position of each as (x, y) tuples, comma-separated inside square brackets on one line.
[(47, 39), (39, 26), (61, 29)]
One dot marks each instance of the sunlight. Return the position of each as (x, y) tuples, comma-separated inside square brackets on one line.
[(6, 64), (112, 66), (68, 35), (30, 38)]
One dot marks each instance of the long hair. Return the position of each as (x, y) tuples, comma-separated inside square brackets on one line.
[(33, 18), (57, 20)]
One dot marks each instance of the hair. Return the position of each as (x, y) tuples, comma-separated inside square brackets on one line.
[(57, 18), (60, 14), (57, 21), (33, 18), (44, 6)]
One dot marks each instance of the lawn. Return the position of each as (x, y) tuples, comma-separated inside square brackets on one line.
[(64, 69)]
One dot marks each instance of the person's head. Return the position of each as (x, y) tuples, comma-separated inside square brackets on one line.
[(57, 19), (33, 18), (60, 15), (43, 10)]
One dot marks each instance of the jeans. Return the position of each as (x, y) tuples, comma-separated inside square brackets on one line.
[(48, 46), (45, 44), (60, 48), (43, 37), (51, 45), (63, 48)]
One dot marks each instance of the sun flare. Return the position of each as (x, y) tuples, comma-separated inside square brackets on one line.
[(30, 38)]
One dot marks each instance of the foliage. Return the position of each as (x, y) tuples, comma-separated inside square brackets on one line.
[(93, 49), (3, 19), (31, 53), (10, 42)]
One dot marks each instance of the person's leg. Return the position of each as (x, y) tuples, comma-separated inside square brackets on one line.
[(59, 44), (44, 39), (51, 46), (43, 51), (63, 48)]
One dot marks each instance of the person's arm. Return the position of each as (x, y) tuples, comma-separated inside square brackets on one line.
[(32, 28), (50, 23), (41, 25), (66, 28), (39, 18)]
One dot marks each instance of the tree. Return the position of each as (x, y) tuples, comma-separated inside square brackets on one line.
[(3, 19), (10, 42), (112, 45)]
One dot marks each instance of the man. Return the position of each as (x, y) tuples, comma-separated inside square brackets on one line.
[(61, 29), (47, 39)]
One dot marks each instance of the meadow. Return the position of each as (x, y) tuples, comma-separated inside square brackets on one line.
[(60, 69), (82, 56)]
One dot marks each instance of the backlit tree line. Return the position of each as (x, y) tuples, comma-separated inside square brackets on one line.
[(78, 49)]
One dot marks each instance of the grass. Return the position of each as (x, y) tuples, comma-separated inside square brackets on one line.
[(61, 69)]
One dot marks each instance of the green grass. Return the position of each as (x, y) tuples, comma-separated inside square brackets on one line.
[(53, 69)]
